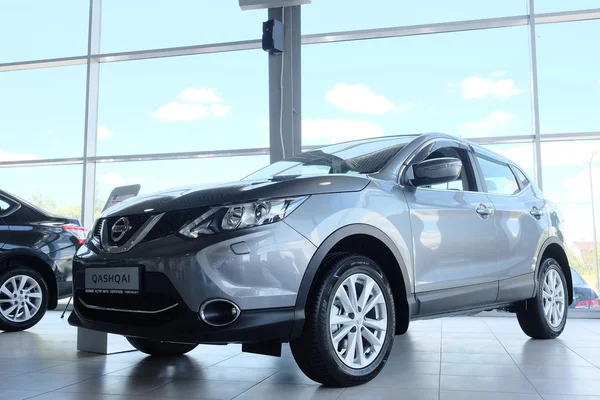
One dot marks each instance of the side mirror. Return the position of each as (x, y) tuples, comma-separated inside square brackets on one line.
[(435, 171)]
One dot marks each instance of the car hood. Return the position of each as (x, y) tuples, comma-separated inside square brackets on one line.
[(215, 194)]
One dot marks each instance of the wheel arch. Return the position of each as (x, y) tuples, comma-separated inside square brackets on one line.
[(553, 248), (374, 244), (39, 262)]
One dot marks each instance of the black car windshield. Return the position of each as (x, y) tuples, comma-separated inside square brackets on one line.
[(359, 157)]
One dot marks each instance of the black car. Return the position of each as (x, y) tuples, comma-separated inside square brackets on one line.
[(36, 253), (583, 295)]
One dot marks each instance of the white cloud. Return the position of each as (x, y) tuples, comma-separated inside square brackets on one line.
[(104, 133), (403, 107), (201, 95), (499, 73), (8, 156), (193, 104), (359, 98), (116, 179), (219, 110), (177, 111), (327, 131), (475, 87), (112, 178), (495, 123), (431, 110)]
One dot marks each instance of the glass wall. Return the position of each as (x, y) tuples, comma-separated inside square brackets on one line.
[(459, 85), (197, 112)]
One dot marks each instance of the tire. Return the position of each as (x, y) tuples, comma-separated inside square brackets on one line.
[(531, 315), (31, 302), (157, 348), (315, 352)]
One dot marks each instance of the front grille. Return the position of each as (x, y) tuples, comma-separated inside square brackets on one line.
[(97, 229), (137, 302), (135, 222), (157, 293), (173, 221), (170, 223)]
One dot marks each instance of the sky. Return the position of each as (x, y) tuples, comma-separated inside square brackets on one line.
[(469, 84)]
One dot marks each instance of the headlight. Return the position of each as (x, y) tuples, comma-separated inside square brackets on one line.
[(242, 215)]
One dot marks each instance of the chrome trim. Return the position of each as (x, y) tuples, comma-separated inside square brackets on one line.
[(126, 310), (203, 306), (135, 239)]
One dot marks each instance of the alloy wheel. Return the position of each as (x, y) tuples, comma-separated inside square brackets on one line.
[(553, 293), (20, 298), (358, 321)]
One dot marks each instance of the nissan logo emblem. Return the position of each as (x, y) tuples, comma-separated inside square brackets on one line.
[(119, 229)]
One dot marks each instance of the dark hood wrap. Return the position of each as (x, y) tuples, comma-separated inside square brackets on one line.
[(210, 195)]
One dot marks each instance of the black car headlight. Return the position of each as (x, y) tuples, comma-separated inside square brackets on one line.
[(241, 215)]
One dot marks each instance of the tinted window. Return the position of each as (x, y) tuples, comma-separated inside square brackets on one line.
[(498, 177), (521, 176), (577, 279), (6, 206), (361, 157)]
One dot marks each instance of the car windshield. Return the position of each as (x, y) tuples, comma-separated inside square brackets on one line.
[(360, 157)]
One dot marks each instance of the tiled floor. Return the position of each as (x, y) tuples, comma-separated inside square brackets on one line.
[(449, 359)]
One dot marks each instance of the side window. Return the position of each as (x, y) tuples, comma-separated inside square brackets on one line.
[(466, 180), (520, 176), (498, 176), (6, 206)]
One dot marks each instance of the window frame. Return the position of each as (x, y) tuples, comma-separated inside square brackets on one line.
[(478, 155), (425, 149), (515, 168), (14, 206)]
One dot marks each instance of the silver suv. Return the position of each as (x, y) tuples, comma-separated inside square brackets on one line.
[(334, 251)]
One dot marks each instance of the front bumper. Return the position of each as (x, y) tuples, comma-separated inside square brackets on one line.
[(179, 275)]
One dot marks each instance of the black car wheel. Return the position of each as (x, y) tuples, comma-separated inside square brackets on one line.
[(23, 298), (544, 316), (350, 321), (157, 348)]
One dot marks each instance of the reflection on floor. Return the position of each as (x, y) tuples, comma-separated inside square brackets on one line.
[(454, 358)]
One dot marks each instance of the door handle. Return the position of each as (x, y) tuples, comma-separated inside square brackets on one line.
[(483, 210), (536, 212)]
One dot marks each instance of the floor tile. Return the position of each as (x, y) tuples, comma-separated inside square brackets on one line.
[(198, 389), (383, 393), (486, 384), (407, 381), (268, 390), (217, 373), (489, 356), (583, 387), (412, 367), (560, 372), (482, 358), (568, 397), (538, 358), (291, 376), (463, 395), (493, 370), (13, 394), (41, 381), (118, 385)]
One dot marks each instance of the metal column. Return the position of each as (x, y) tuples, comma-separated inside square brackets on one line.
[(87, 340), (285, 117), (535, 106)]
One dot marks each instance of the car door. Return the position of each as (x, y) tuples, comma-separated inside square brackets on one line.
[(5, 208), (454, 237), (520, 222)]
